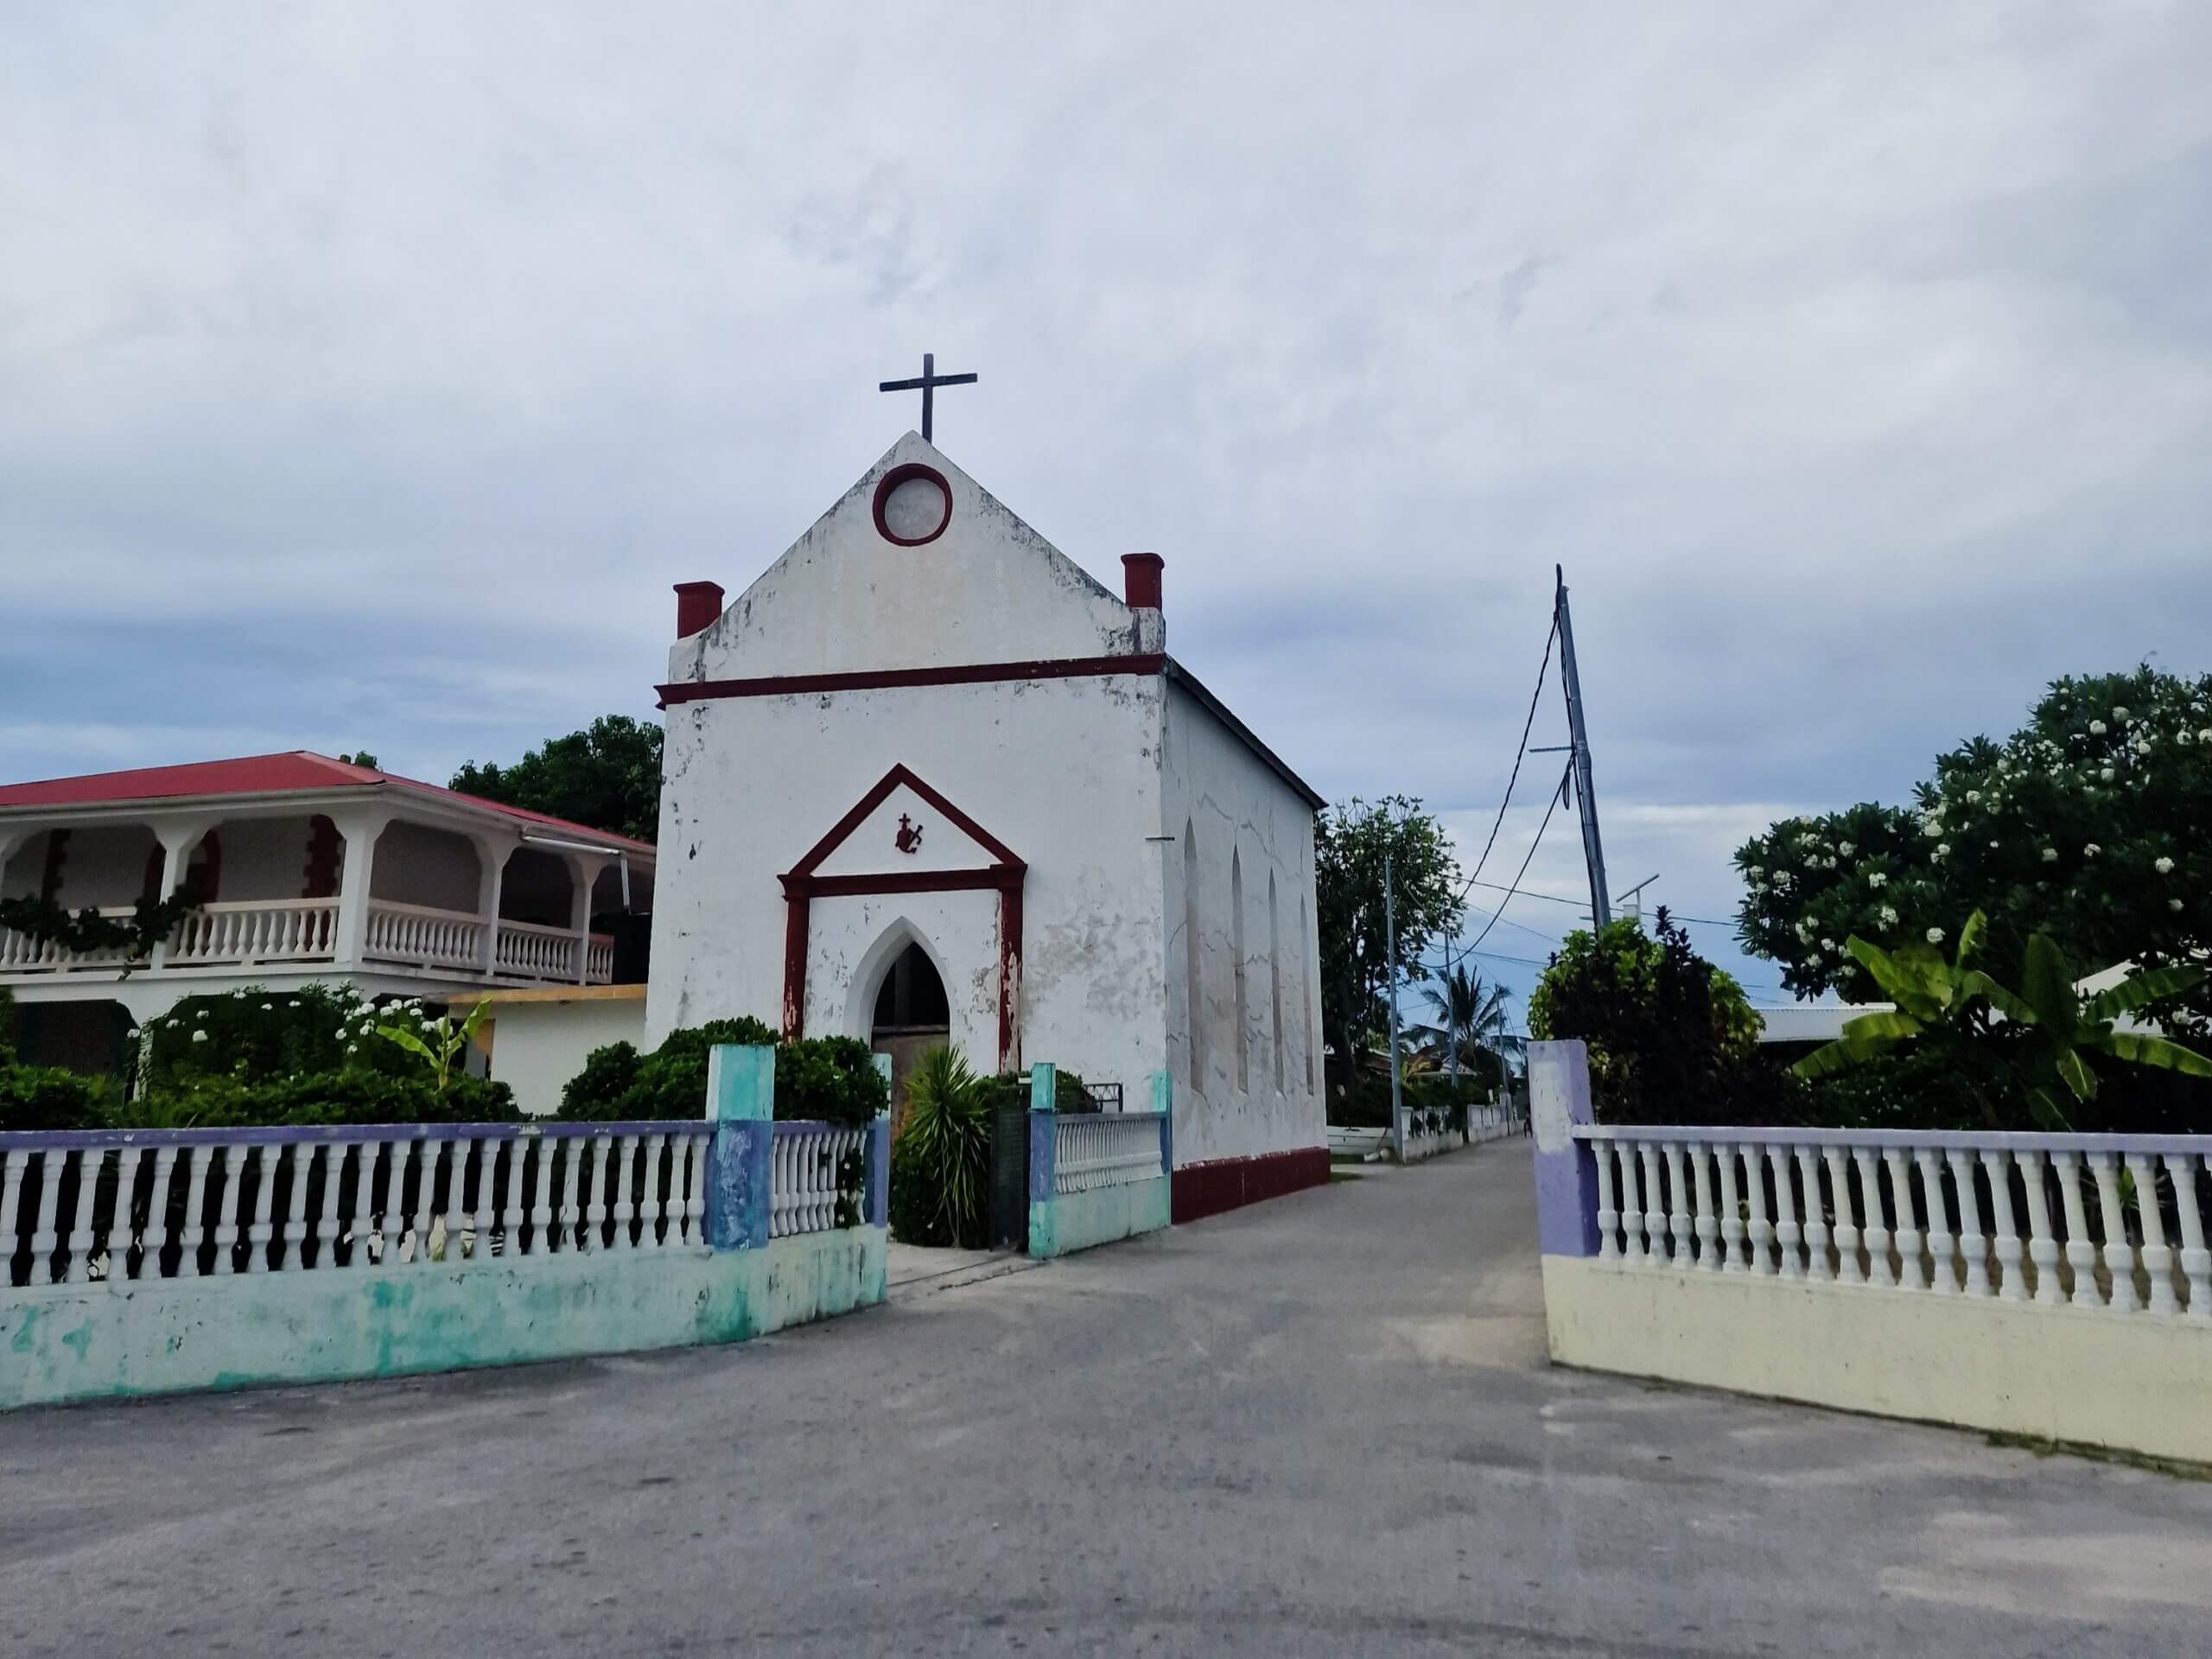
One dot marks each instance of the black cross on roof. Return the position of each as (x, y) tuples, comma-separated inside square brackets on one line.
[(927, 386)]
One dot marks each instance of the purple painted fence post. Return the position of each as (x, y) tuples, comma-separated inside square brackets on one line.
[(741, 1104), (1566, 1171)]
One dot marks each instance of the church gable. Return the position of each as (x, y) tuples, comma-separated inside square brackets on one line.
[(903, 826), (916, 567)]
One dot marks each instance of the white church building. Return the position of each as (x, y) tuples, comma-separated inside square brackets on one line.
[(927, 780)]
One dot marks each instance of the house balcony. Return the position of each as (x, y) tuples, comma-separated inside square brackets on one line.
[(245, 935)]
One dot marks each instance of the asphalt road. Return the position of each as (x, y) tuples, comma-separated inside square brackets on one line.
[(1322, 1426)]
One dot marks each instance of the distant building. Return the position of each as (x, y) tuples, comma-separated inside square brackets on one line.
[(301, 870)]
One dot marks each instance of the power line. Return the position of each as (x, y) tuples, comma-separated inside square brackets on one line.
[(1535, 697), (1550, 807)]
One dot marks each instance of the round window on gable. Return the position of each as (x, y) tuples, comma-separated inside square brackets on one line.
[(913, 504)]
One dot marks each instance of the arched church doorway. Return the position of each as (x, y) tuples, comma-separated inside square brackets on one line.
[(913, 1015)]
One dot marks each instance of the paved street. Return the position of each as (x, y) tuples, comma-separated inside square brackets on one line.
[(1322, 1427)]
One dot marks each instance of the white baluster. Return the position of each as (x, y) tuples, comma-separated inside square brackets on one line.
[(196, 1198), (232, 1219), (1973, 1244), (2195, 1259), (620, 1210), (541, 1197), (1678, 1215), (1817, 1265), (1709, 1224), (157, 1217), (326, 1226), (1942, 1276), (79, 1241), (657, 1210), (572, 1157), (120, 1233), (695, 1200), (2158, 1259), (1732, 1219), (1846, 1232), (457, 1212), (1609, 1213), (1997, 1166), (487, 1172), (2043, 1242), (11, 1197), (1761, 1230), (392, 1216), (1874, 1226), (2080, 1253), (595, 1208), (295, 1221), (1655, 1218), (1912, 1275), (426, 1183), (1787, 1232), (511, 1216), (2119, 1255), (265, 1196)]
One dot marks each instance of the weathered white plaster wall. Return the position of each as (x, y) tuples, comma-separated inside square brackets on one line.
[(102, 864), (417, 864), (264, 858), (1061, 771), (1240, 812), (989, 589)]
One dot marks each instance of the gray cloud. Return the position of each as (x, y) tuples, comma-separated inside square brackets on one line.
[(370, 375)]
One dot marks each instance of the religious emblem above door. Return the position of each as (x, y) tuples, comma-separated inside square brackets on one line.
[(849, 862)]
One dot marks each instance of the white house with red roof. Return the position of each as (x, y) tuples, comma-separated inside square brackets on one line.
[(301, 868)]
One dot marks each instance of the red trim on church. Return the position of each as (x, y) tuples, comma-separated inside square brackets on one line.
[(1197, 1191), (1006, 873), (881, 679), (892, 479)]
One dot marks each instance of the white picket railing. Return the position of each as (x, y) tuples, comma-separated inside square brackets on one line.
[(534, 951), (2085, 1220), (256, 931), (421, 936), (1095, 1150), (20, 953), (804, 1176), (137, 1205)]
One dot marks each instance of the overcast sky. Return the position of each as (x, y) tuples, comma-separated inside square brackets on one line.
[(368, 373)]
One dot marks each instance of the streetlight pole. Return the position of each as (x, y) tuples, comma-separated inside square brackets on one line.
[(1390, 957)]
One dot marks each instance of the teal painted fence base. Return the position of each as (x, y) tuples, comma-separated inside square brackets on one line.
[(88, 1342), (1067, 1222)]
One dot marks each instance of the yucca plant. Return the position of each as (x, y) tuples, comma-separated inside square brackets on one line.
[(940, 1168)]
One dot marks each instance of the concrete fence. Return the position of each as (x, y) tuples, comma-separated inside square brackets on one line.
[(1484, 1122), (145, 1261), (2055, 1285), (1096, 1177)]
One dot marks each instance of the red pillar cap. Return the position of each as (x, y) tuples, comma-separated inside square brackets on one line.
[(1141, 580), (699, 604)]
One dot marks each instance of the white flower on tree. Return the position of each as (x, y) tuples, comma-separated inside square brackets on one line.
[(2120, 714), (2173, 903), (199, 1036), (1935, 935), (1889, 916), (2091, 850), (2105, 774), (1877, 879), (1845, 849), (2051, 854), (2163, 867), (2096, 728)]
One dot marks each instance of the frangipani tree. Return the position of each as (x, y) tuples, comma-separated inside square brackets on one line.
[(2047, 1025)]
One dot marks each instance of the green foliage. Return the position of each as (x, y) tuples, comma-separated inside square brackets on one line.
[(440, 1042), (1670, 1037), (151, 922), (2086, 825), (1977, 1026), (1349, 845), (48, 1096), (1471, 1018), (1009, 1091), (606, 777), (256, 1035), (352, 1096), (831, 1078), (941, 1162)]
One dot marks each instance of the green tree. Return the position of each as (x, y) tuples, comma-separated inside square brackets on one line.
[(606, 777), (1471, 1016), (1349, 845), (2086, 824), (1671, 1037)]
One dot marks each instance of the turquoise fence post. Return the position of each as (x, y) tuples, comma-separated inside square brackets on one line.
[(878, 1213), (1044, 1146), (1163, 1102), (741, 1103)]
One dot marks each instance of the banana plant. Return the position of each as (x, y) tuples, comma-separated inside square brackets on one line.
[(446, 1043), (2058, 1025)]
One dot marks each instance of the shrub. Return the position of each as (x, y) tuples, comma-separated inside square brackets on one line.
[(352, 1096), (941, 1163), (256, 1035), (50, 1098), (831, 1078)]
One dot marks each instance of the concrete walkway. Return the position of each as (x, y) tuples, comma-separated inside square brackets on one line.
[(1320, 1426)]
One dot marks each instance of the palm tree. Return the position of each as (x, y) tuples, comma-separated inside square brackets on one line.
[(1471, 1011)]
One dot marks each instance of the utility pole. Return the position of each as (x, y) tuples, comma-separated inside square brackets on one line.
[(1390, 958), (1593, 853)]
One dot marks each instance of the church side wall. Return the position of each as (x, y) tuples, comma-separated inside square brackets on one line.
[(1245, 824), (1064, 772)]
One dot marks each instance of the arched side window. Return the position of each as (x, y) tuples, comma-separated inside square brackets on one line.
[(1237, 950), (1305, 997), (1194, 1039), (1274, 981)]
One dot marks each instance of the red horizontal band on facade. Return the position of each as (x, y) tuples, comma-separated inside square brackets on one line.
[(880, 679), (1000, 876), (1197, 1191)]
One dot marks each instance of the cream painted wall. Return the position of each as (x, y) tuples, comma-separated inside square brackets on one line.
[(537, 1046), (1240, 813)]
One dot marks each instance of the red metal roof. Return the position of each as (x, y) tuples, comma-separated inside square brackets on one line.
[(299, 772)]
